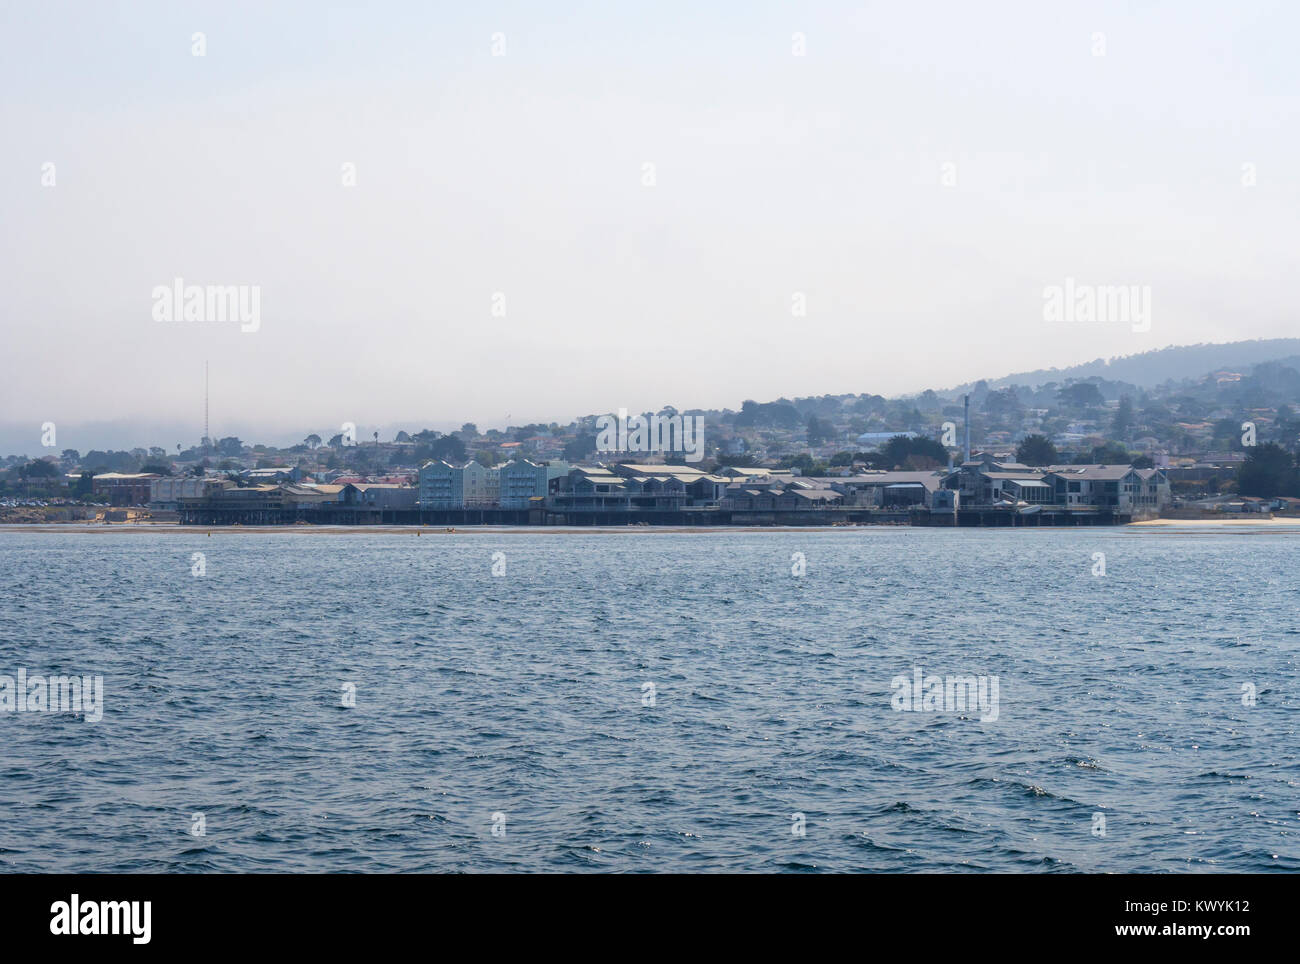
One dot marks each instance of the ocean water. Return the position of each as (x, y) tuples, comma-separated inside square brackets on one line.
[(502, 721)]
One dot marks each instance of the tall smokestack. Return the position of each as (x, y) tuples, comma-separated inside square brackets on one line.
[(967, 459)]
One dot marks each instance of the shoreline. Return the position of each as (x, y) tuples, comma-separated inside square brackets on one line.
[(171, 528)]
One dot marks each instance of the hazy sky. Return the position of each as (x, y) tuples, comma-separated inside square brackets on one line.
[(524, 174)]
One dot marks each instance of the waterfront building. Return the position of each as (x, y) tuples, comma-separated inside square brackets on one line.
[(440, 486), (227, 502), (522, 481), (773, 496), (469, 486), (985, 481), (592, 489), (124, 488), (1119, 487), (707, 489), (886, 489), (480, 485), (378, 495), (1155, 493), (166, 492)]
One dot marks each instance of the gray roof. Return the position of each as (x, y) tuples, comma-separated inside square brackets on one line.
[(814, 495), (1104, 473)]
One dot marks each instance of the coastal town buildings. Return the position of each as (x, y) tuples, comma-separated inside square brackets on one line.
[(988, 483)]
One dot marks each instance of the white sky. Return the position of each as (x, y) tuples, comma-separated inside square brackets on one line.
[(522, 174)]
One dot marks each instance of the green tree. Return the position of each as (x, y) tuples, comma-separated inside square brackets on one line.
[(39, 469), (1003, 403), (1037, 450), (1081, 395), (896, 452), (448, 448), (1111, 453), (819, 430), (1227, 434), (738, 462), (804, 463), (1124, 419), (1269, 470), (580, 449)]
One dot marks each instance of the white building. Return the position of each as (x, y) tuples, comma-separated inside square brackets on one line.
[(166, 493), (480, 485)]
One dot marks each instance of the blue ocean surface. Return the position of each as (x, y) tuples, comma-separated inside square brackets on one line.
[(653, 701)]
